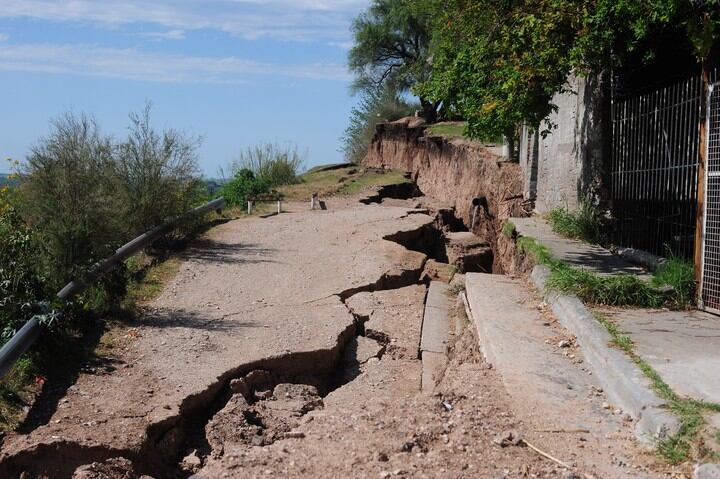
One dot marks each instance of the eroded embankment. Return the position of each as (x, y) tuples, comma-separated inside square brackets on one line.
[(241, 405), (455, 172)]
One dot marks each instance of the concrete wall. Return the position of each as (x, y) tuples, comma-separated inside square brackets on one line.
[(566, 165)]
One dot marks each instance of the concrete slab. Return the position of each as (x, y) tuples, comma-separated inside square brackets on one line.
[(543, 383), (436, 320), (573, 252), (432, 366), (682, 346), (623, 382)]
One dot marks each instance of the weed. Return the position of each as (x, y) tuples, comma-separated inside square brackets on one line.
[(509, 229), (582, 224), (616, 290), (149, 281), (539, 253), (680, 275)]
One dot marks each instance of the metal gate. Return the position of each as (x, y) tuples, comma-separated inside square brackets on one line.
[(653, 174), (710, 282)]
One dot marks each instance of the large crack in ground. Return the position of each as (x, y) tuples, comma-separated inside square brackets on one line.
[(253, 404)]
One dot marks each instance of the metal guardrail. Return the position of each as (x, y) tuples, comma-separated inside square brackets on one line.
[(23, 339)]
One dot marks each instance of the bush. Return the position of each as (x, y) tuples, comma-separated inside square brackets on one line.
[(271, 164), (242, 186), (22, 276), (157, 173), (68, 194), (86, 195)]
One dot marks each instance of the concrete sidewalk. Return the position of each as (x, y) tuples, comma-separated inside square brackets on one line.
[(573, 252), (682, 346)]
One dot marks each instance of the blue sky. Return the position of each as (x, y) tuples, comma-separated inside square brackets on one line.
[(236, 72)]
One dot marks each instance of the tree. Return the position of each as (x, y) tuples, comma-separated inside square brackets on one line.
[(499, 63), (243, 185), (376, 105), (392, 41)]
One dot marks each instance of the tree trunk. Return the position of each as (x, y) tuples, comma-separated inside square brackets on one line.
[(429, 110)]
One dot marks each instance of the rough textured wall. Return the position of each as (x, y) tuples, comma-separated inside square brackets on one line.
[(569, 160), (452, 171)]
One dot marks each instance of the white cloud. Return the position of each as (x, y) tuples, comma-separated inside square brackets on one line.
[(342, 45), (281, 19), (132, 64), (168, 35), (4, 37)]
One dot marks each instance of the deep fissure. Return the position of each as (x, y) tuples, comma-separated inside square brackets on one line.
[(168, 443)]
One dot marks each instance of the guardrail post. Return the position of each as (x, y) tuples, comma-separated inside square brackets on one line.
[(250, 206), (313, 200), (279, 206)]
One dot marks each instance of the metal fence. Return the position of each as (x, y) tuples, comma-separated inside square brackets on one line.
[(710, 287), (654, 167)]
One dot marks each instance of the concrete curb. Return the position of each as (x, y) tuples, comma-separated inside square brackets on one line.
[(625, 385)]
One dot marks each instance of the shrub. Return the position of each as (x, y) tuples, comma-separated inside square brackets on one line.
[(157, 173), (67, 195), (243, 185), (22, 281), (270, 163)]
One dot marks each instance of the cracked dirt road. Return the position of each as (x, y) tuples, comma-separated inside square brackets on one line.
[(285, 346), (252, 291)]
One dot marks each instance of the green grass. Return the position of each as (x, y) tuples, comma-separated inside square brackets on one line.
[(150, 279), (347, 180), (509, 229), (680, 275), (448, 130), (371, 179), (539, 253), (614, 290), (582, 224), (690, 412), (17, 390), (457, 129)]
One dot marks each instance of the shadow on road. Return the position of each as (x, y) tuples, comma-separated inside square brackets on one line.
[(212, 251)]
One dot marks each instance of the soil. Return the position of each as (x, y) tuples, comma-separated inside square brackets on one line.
[(288, 346)]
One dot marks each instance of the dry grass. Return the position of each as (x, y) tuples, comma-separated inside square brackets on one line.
[(345, 180)]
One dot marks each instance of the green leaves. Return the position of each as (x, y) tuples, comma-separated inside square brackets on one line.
[(392, 40), (498, 64)]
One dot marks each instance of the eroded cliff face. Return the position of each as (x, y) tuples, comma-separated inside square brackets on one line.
[(455, 172)]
